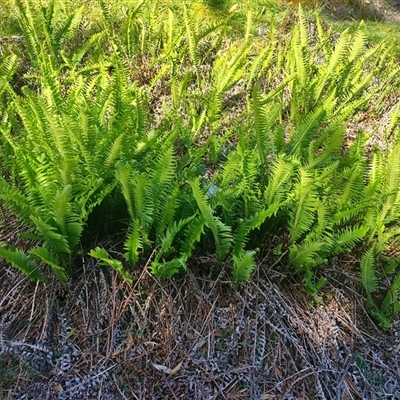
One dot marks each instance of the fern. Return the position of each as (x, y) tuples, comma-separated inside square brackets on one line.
[(192, 41), (114, 153), (280, 180), (368, 277), (192, 235), (221, 233), (348, 238), (103, 256), (163, 178), (305, 131), (254, 222), (170, 234), (262, 127), (133, 244), (243, 265), (307, 256), (8, 67), (57, 241), (29, 30), (24, 263), (303, 212), (168, 268), (391, 303), (45, 256), (334, 60)]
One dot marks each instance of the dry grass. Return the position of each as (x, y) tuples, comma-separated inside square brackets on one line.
[(192, 338)]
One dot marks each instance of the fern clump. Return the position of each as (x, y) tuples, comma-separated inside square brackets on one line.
[(201, 143)]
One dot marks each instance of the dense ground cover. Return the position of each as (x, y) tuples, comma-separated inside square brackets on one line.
[(252, 160)]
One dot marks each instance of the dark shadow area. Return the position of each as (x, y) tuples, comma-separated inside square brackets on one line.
[(217, 5)]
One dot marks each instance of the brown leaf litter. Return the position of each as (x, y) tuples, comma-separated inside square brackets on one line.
[(192, 337)]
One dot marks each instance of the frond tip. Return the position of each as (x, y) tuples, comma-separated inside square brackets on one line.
[(243, 265), (103, 256), (368, 277), (169, 268), (18, 259)]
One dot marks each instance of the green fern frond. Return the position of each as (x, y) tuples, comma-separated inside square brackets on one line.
[(124, 177), (169, 268), (73, 60), (114, 153), (66, 30), (335, 60), (107, 16), (302, 24), (228, 68), (166, 213), (326, 147), (299, 62), (206, 211), (306, 130), (323, 36), (192, 41), (45, 256), (243, 265), (133, 244), (323, 226), (345, 215), (65, 217), (368, 268), (353, 186), (93, 196), (8, 67), (307, 255), (268, 97), (171, 232), (260, 63), (163, 176), (57, 241), (103, 256), (27, 25), (390, 304), (394, 121), (261, 126), (254, 222), (302, 215), (348, 238), (279, 181), (14, 199), (221, 232), (136, 189), (358, 43), (192, 235), (391, 183), (143, 204), (225, 239), (18, 259)]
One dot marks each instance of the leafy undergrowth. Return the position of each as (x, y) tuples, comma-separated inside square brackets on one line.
[(257, 171)]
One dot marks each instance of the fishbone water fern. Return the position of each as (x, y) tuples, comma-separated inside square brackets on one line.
[(227, 147), (64, 151), (53, 42)]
